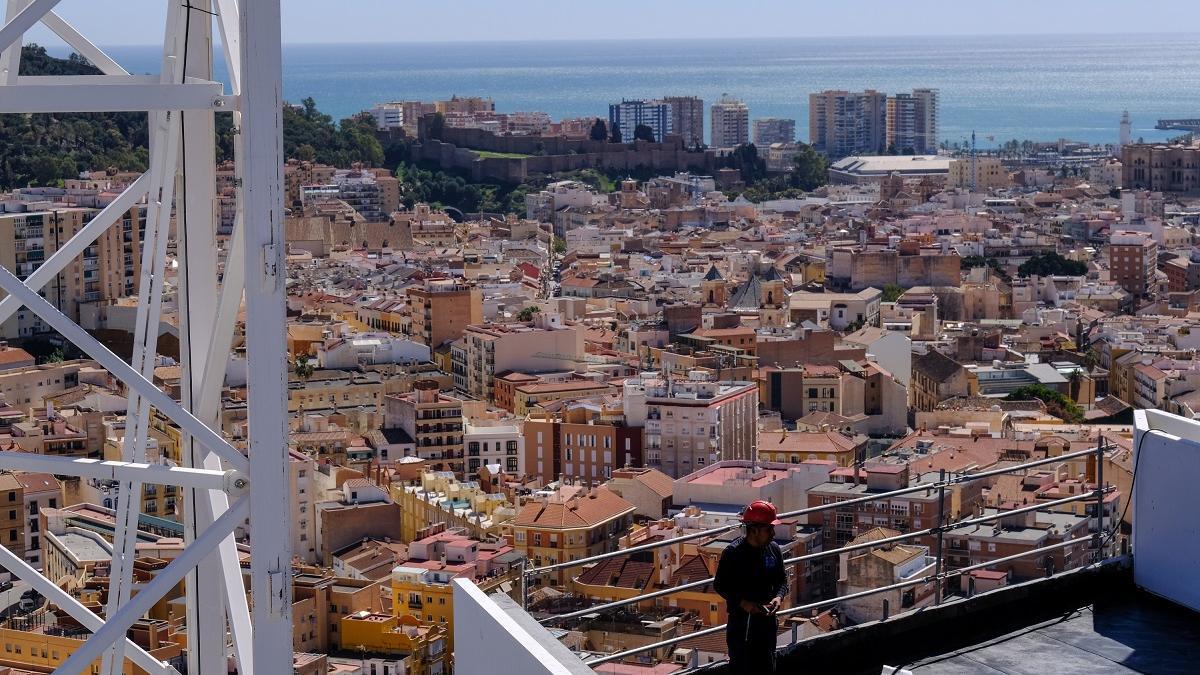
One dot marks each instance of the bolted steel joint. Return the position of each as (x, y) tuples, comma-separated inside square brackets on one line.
[(236, 482)]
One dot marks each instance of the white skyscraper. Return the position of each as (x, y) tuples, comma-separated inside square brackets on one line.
[(730, 123)]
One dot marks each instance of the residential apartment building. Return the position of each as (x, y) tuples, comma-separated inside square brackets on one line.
[(843, 123), (768, 130), (441, 500), (441, 309), (729, 123), (302, 493), (392, 645), (420, 585), (372, 196), (935, 378), (494, 441), (27, 387), (106, 270), (981, 173), (465, 105), (585, 441), (687, 119), (569, 524), (627, 115), (913, 511), (542, 345), (912, 122), (695, 422), (12, 513), (40, 491), (1133, 261), (433, 420)]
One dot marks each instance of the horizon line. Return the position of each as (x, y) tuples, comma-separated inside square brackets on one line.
[(340, 43)]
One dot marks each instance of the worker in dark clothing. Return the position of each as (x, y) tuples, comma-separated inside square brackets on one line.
[(753, 582)]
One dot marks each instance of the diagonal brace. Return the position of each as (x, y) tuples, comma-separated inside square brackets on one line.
[(157, 397)]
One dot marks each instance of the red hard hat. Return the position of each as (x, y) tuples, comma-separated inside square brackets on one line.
[(760, 513)]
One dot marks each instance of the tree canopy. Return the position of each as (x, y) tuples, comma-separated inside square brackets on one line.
[(309, 133), (643, 132), (1057, 404), (599, 130), (1051, 263), (44, 148), (811, 168)]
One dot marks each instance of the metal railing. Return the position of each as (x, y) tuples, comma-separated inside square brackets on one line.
[(940, 575), (933, 578)]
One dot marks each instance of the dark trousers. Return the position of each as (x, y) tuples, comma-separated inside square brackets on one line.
[(751, 642)]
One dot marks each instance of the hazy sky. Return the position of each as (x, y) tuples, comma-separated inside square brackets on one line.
[(127, 22)]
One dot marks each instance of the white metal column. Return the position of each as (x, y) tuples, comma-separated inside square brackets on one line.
[(181, 102), (262, 191)]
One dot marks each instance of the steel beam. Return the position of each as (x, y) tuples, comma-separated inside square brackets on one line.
[(156, 474), (262, 179), (115, 626), (121, 370), (76, 610), (128, 93)]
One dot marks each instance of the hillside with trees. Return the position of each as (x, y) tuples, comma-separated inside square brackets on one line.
[(45, 148)]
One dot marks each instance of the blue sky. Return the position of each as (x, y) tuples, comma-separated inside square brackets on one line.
[(127, 22)]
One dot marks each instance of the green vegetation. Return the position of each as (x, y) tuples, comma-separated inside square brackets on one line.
[(892, 292), (1051, 263), (499, 155), (43, 148), (599, 130), (643, 132), (527, 313), (304, 367), (310, 134), (810, 171), (1057, 404), (971, 261), (558, 244), (440, 188)]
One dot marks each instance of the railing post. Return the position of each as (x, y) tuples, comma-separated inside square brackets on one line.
[(524, 583), (970, 586), (886, 609), (941, 525), (1098, 554)]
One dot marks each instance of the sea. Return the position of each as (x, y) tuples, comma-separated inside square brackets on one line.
[(1041, 88)]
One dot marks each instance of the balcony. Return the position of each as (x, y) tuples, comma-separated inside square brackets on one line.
[(1099, 616)]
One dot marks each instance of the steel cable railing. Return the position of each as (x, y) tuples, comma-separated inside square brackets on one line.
[(939, 576), (831, 552), (934, 578), (940, 484)]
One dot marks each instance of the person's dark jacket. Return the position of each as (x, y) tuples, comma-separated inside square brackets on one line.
[(748, 573)]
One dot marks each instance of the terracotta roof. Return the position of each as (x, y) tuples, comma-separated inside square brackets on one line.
[(620, 572), (807, 441), (11, 355), (936, 365), (588, 510), (695, 568)]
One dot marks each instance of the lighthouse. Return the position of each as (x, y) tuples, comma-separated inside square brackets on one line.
[(1125, 132)]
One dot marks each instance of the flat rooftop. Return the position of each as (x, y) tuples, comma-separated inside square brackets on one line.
[(1136, 633), (727, 473)]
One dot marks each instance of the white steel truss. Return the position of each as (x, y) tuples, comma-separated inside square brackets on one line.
[(222, 486)]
